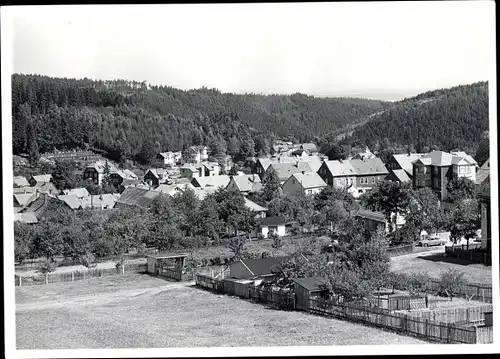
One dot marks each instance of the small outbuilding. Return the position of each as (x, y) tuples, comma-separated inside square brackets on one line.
[(305, 288), (170, 266), (273, 224)]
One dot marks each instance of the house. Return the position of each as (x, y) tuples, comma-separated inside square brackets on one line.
[(20, 181), (102, 201), (133, 196), (212, 181), (79, 192), (364, 155), (483, 172), (156, 176), (24, 199), (285, 170), (40, 205), (250, 162), (38, 180), (398, 176), (357, 176), (304, 183), (97, 170), (202, 193), (260, 212), (300, 153), (73, 201), (122, 178), (485, 203), (372, 221), (197, 154), (166, 158), (261, 166), (403, 161), (311, 287), (255, 268), (208, 169), (27, 217), (174, 188), (245, 184), (190, 171), (273, 224), (47, 187), (311, 148), (434, 170)]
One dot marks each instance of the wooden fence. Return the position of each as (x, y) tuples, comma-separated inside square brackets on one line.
[(77, 275), (443, 332), (484, 335), (396, 302), (480, 292), (460, 316), (433, 330), (472, 254)]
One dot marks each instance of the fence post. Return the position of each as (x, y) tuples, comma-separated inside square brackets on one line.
[(426, 327), (46, 278), (20, 281), (72, 276), (123, 269), (449, 333)]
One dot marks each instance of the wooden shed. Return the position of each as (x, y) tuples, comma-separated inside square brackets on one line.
[(168, 265), (238, 287), (306, 288)]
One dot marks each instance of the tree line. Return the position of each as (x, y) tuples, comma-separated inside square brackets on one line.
[(131, 120)]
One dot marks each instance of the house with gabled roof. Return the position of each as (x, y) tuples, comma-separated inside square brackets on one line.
[(356, 176), (169, 158), (483, 172), (197, 154), (245, 184), (24, 199), (403, 161), (436, 169), (220, 181), (260, 212), (123, 177), (311, 148), (20, 181), (97, 170), (156, 176), (140, 197), (38, 180), (275, 224), (27, 217), (307, 183), (285, 170), (398, 176), (73, 201), (191, 171), (79, 192)]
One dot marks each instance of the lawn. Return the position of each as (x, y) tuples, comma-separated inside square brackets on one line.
[(434, 263), (146, 312)]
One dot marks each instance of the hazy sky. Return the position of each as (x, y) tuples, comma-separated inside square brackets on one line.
[(378, 50)]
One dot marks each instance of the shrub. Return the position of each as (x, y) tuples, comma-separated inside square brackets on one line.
[(47, 266), (451, 282), (277, 241)]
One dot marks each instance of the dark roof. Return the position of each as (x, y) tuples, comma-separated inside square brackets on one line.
[(312, 284), (262, 266), (270, 221), (134, 196), (377, 216), (398, 175)]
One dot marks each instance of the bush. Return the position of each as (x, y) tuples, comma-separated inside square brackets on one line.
[(277, 241), (47, 266), (451, 282)]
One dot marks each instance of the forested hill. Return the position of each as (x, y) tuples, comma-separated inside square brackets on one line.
[(132, 119), (445, 119)]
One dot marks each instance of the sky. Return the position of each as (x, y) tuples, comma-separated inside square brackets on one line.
[(385, 50)]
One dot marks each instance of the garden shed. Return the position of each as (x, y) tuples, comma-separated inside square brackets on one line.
[(170, 266), (238, 287), (306, 288)]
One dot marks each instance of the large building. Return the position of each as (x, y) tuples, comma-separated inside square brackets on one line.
[(434, 170), (357, 176)]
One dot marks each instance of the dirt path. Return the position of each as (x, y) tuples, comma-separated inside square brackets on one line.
[(100, 299)]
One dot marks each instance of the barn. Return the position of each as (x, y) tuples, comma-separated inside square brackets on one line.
[(308, 287), (170, 266)]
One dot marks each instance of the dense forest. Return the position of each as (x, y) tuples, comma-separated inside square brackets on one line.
[(132, 120), (445, 119)]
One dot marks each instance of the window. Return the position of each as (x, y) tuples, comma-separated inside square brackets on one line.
[(427, 169), (373, 179), (436, 183), (428, 183), (435, 170)]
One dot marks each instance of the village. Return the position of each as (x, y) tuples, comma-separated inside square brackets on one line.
[(293, 171)]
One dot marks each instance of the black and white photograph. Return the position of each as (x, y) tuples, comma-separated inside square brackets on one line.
[(250, 179)]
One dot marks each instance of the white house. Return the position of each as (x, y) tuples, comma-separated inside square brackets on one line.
[(190, 171), (307, 183), (198, 154), (273, 224)]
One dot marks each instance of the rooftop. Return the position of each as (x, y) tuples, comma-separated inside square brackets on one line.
[(272, 221), (263, 266), (309, 180), (312, 284), (377, 216), (141, 197)]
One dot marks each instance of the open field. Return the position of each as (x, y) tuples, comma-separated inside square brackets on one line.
[(434, 263), (146, 312)]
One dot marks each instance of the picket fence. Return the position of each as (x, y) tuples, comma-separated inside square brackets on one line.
[(360, 312), (459, 316), (77, 275), (478, 291), (473, 254)]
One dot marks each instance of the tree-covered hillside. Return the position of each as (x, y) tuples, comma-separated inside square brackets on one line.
[(445, 119), (132, 120)]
